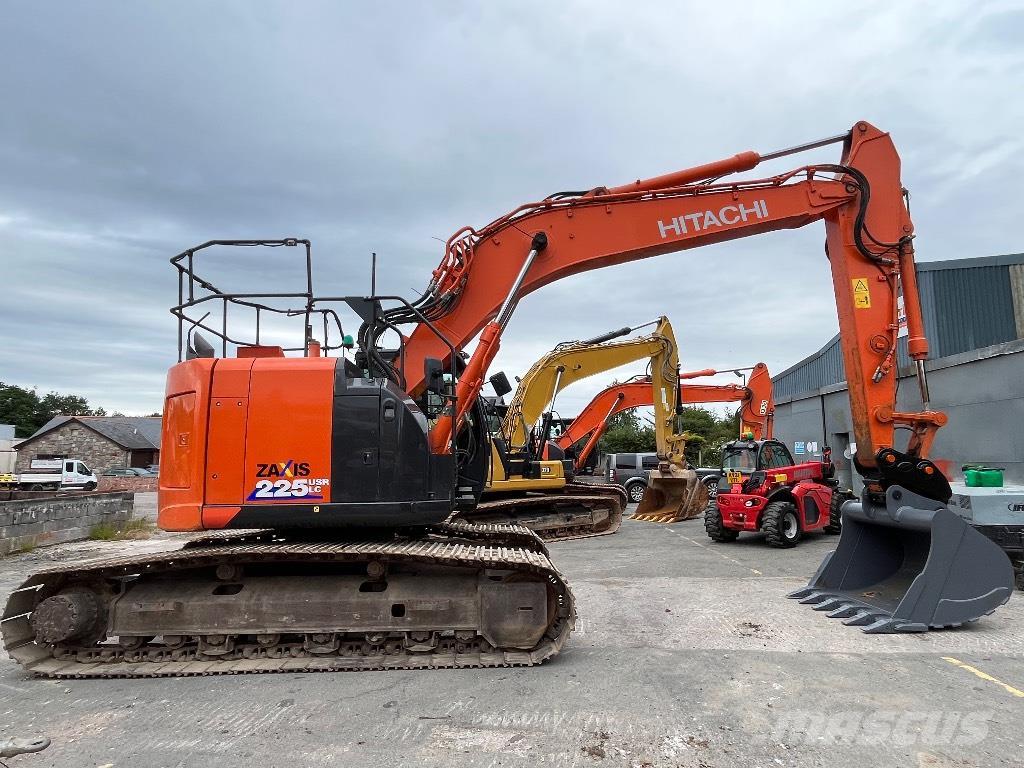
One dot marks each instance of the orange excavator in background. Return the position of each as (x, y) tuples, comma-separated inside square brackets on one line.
[(661, 502), (756, 407), (348, 468)]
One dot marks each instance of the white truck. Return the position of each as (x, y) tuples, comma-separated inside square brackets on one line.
[(52, 475)]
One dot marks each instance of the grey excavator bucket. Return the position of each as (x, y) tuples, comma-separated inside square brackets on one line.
[(908, 566)]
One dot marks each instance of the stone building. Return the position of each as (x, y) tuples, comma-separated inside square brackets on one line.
[(99, 441)]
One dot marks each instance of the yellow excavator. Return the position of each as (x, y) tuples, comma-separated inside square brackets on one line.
[(530, 481)]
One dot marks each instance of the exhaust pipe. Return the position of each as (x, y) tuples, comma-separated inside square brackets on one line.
[(908, 566)]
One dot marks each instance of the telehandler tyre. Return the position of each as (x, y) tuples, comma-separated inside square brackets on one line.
[(715, 526), (780, 524), (835, 518)]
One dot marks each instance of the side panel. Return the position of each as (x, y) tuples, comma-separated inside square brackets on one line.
[(288, 432), (181, 445), (225, 442)]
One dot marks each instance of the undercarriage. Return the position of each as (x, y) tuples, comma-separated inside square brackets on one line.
[(574, 512), (459, 596)]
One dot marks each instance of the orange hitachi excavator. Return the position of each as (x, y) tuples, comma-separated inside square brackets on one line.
[(333, 476)]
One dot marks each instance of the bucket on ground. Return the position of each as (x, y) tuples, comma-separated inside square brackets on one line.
[(672, 494), (909, 565)]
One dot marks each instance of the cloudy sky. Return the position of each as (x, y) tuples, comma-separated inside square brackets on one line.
[(131, 131)]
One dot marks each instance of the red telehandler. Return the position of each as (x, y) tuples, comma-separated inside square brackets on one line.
[(763, 489), (347, 469)]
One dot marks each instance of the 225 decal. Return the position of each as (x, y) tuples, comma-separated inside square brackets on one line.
[(287, 481)]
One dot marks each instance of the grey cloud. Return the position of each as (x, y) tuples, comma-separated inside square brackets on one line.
[(130, 132)]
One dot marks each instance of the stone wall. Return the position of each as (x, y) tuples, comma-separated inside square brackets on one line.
[(73, 441), (29, 523), (137, 484)]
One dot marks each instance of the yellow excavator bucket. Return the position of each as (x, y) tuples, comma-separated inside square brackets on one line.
[(672, 494)]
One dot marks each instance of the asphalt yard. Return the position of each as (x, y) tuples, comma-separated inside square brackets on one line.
[(687, 653)]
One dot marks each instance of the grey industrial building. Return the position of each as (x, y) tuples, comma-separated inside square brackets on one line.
[(974, 318)]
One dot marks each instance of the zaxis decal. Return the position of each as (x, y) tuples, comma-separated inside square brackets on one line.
[(292, 482), (290, 468)]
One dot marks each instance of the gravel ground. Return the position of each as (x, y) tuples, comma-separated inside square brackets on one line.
[(686, 654)]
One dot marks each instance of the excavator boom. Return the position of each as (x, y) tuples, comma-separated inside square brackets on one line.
[(868, 231), (571, 362)]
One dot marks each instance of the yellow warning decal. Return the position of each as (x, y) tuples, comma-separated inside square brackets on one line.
[(861, 293)]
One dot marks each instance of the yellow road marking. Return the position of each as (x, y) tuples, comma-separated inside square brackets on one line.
[(984, 676)]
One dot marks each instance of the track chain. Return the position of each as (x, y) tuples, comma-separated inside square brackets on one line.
[(611, 498), (496, 550)]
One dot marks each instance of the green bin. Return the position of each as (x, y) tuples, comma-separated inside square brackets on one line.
[(978, 476)]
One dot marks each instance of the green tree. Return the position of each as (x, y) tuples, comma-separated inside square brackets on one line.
[(725, 428), (626, 434), (28, 412), (55, 404), (20, 407)]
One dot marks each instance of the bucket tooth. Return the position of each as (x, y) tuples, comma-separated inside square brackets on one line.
[(895, 625), (829, 605), (882, 626), (815, 597), (907, 566), (861, 618), (846, 611), (796, 594)]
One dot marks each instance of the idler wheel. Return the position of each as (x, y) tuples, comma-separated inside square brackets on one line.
[(66, 616)]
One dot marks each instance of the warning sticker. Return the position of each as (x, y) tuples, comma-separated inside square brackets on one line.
[(861, 293)]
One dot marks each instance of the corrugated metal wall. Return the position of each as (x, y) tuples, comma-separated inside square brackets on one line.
[(967, 304)]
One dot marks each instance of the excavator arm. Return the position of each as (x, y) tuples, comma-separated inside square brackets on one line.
[(570, 362), (869, 238), (756, 406)]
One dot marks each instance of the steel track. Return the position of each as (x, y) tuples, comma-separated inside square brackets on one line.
[(499, 547), (609, 498)]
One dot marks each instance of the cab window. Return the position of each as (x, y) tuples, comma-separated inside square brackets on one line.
[(83, 470), (739, 458), (69, 466), (774, 456)]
